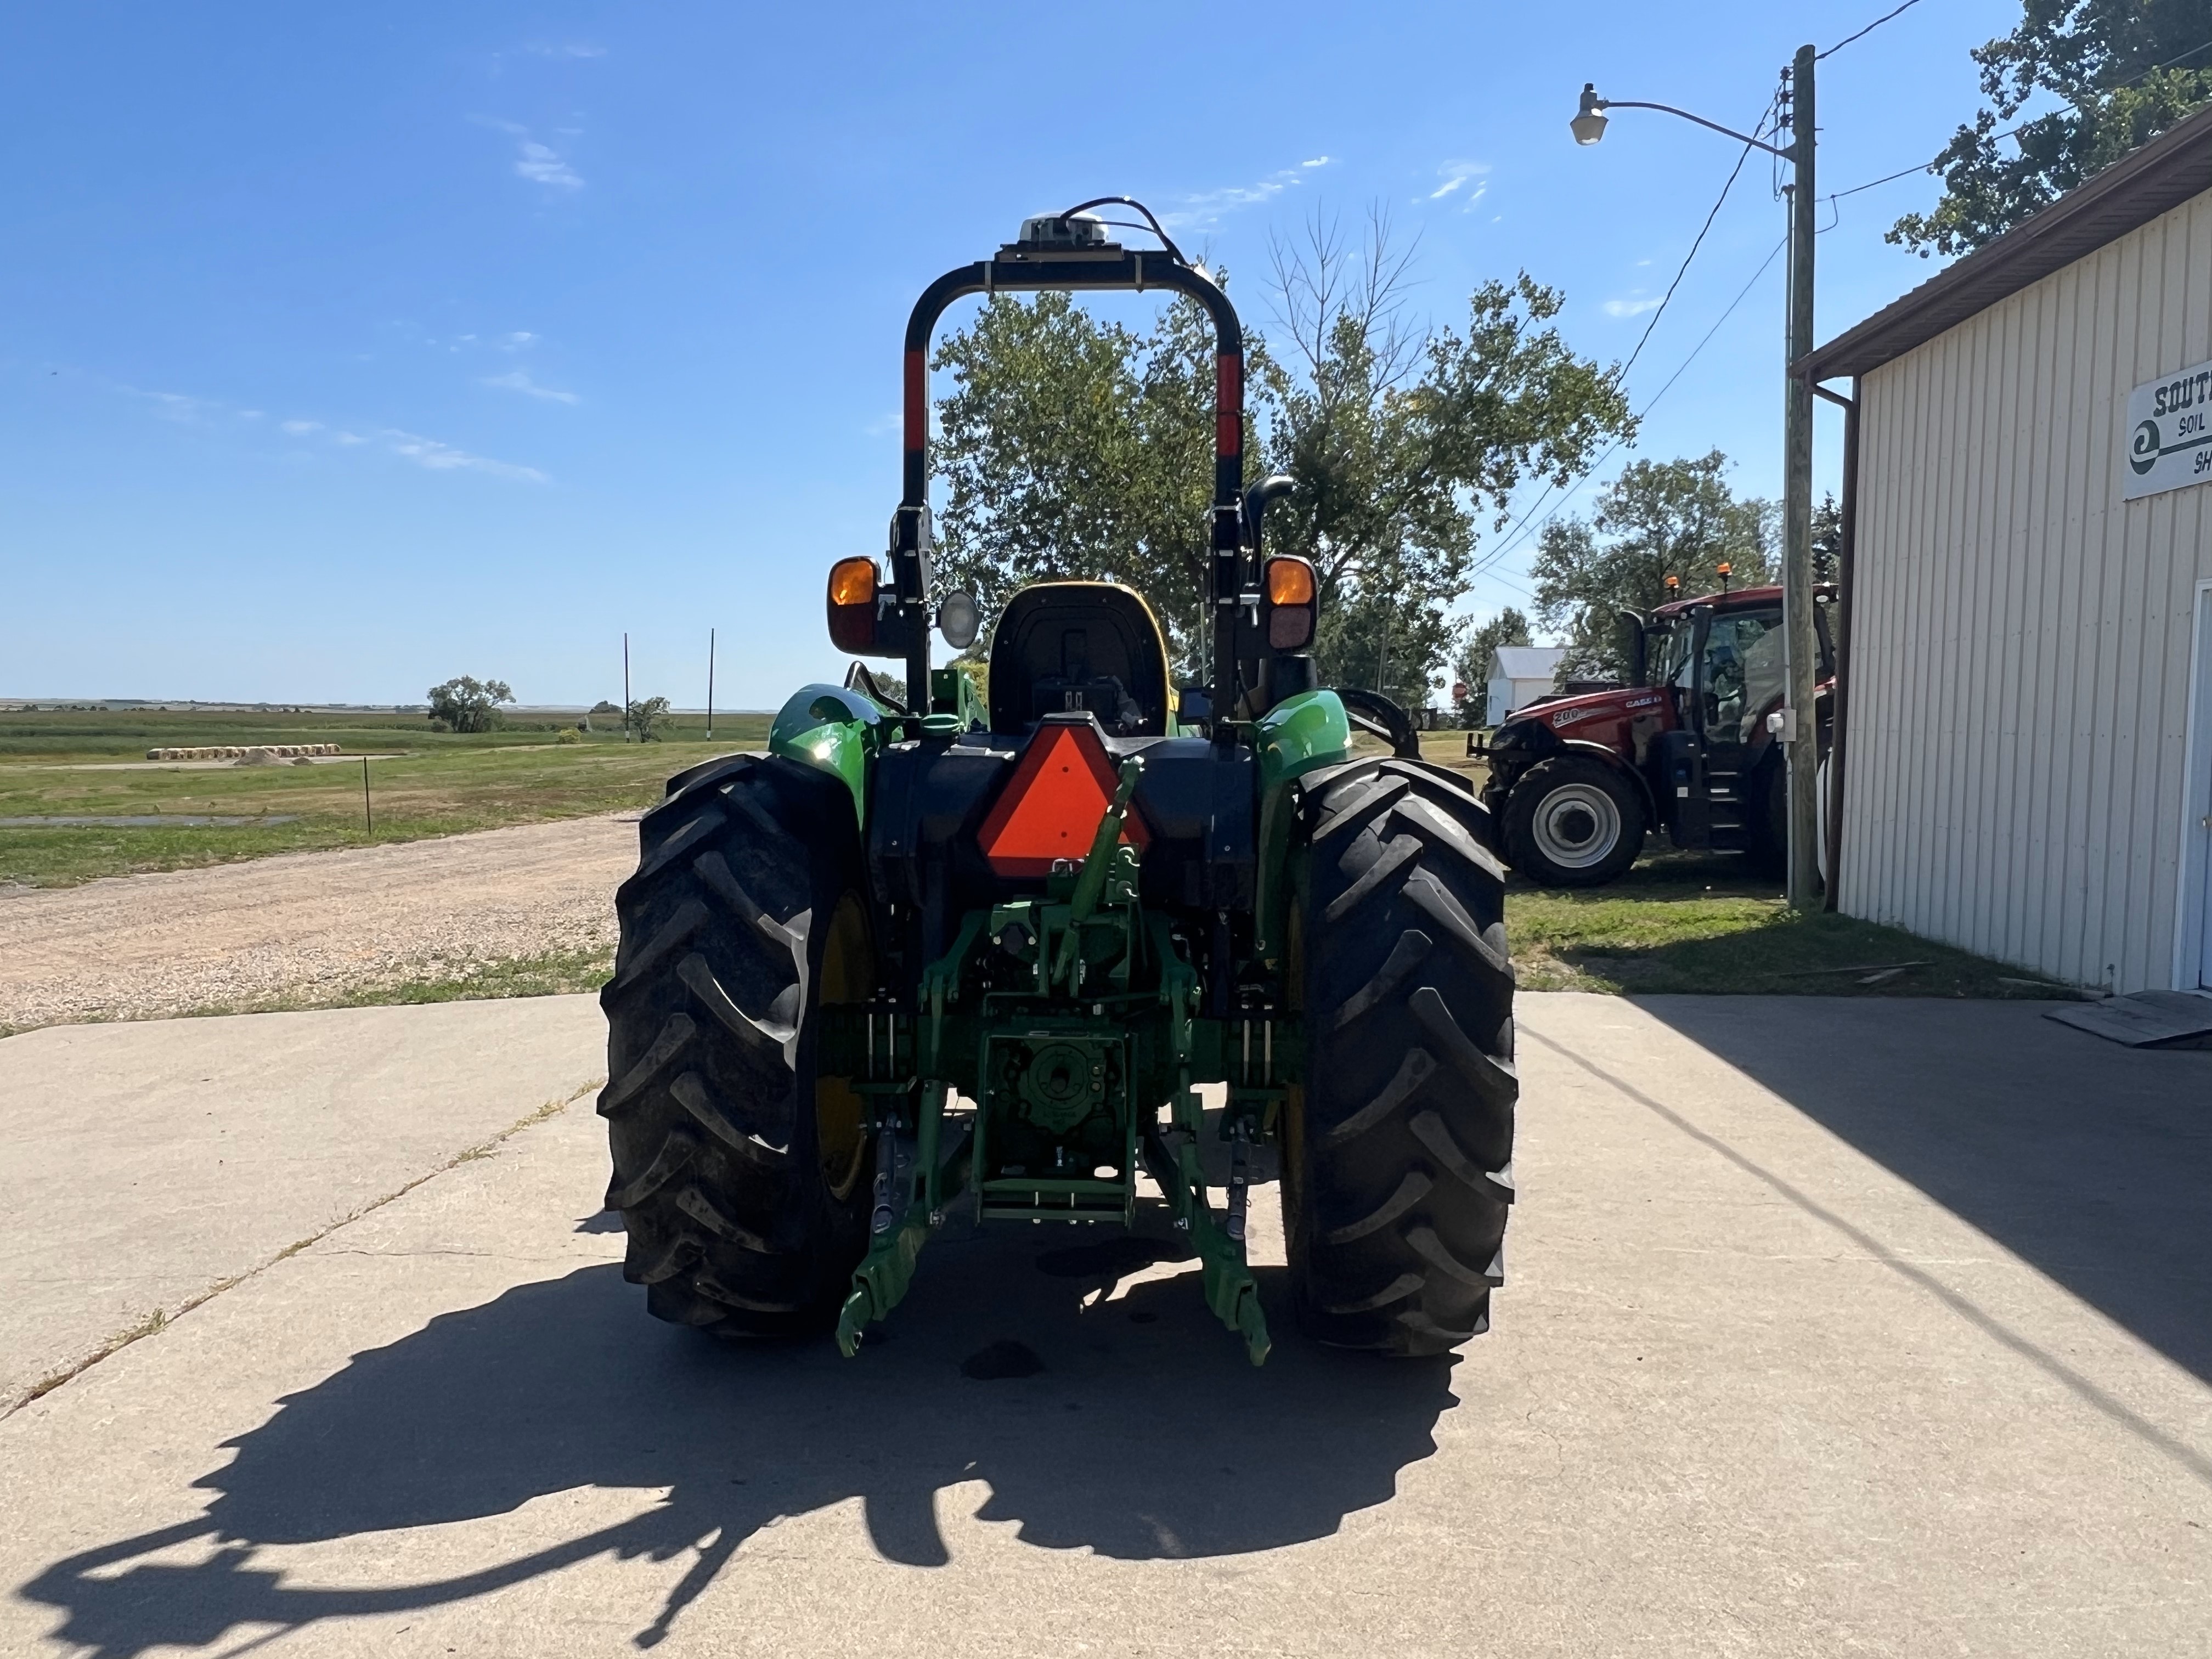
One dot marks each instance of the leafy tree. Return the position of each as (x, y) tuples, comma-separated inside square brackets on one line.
[(2127, 70), (1658, 519), (1472, 666), (1071, 447), (1404, 439), (467, 704), (1827, 541), (646, 717), (602, 707)]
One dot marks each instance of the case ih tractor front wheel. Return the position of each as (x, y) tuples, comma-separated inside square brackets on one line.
[(1397, 1165), (740, 1171), (1574, 821)]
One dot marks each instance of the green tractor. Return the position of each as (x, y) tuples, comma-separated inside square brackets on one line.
[(936, 954)]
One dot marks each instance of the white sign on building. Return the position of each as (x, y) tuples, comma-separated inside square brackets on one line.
[(2168, 442)]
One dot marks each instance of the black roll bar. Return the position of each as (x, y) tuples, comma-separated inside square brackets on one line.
[(1022, 267)]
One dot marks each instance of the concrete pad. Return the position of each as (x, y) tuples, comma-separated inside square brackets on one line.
[(1749, 1392), (147, 1162)]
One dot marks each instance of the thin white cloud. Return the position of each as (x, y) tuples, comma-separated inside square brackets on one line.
[(539, 163), (1630, 307), (444, 457), (1207, 209), (520, 340), (430, 452), (175, 406), (1467, 177), (542, 165), (519, 382)]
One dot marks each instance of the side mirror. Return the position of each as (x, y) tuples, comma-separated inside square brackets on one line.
[(1292, 601), (853, 610), (959, 619)]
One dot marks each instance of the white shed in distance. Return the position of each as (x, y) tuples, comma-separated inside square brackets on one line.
[(1519, 674)]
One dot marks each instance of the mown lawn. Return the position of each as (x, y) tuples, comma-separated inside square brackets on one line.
[(420, 783), (1706, 922)]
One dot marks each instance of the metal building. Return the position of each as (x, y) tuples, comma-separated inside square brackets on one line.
[(2025, 756)]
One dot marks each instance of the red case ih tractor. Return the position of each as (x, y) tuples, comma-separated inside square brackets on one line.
[(1575, 782)]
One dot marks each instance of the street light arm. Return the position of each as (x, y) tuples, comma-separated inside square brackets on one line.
[(1740, 137)]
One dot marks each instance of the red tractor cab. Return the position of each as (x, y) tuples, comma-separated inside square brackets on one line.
[(1576, 782)]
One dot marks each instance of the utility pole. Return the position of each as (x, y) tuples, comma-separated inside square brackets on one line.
[(1800, 729), (710, 685), (626, 737)]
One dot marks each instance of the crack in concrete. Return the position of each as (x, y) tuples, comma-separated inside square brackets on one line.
[(160, 1319)]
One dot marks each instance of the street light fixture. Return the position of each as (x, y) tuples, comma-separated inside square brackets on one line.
[(1797, 727), (1589, 124)]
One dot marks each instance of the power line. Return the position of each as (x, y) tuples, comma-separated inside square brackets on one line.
[(1659, 311), (1682, 270), (1696, 243), (1868, 29), (1929, 164), (1507, 546)]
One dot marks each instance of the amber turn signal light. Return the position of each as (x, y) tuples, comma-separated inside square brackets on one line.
[(853, 582), (853, 605), (1288, 586), (1290, 581)]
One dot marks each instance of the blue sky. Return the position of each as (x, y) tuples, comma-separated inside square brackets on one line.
[(346, 349)]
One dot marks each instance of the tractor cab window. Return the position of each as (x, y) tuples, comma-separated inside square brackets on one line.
[(1672, 658), (1743, 672)]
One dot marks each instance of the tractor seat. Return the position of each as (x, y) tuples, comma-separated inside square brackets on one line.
[(1069, 646)]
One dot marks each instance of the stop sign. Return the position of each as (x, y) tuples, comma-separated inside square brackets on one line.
[(1459, 690)]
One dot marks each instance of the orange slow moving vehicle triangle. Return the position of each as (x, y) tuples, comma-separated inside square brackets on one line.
[(1051, 806)]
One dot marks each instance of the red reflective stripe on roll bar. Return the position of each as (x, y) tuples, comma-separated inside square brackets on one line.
[(917, 400), (1228, 405)]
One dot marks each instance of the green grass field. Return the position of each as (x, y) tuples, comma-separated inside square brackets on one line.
[(55, 763), (1678, 922)]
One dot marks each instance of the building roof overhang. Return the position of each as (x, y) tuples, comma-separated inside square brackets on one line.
[(2166, 171)]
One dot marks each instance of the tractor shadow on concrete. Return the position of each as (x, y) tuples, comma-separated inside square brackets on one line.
[(1145, 1434), (2088, 1160)]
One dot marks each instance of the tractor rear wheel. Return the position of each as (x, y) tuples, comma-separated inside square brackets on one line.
[(1574, 821), (738, 1169), (1398, 1146)]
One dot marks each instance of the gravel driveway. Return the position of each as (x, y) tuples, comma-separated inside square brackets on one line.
[(308, 924)]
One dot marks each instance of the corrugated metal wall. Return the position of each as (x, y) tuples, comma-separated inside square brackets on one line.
[(2020, 683)]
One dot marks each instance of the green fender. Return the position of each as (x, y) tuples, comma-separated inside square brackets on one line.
[(1298, 735), (834, 730)]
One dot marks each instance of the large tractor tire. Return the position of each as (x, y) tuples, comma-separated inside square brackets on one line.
[(740, 1171), (1574, 821), (1398, 1149)]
